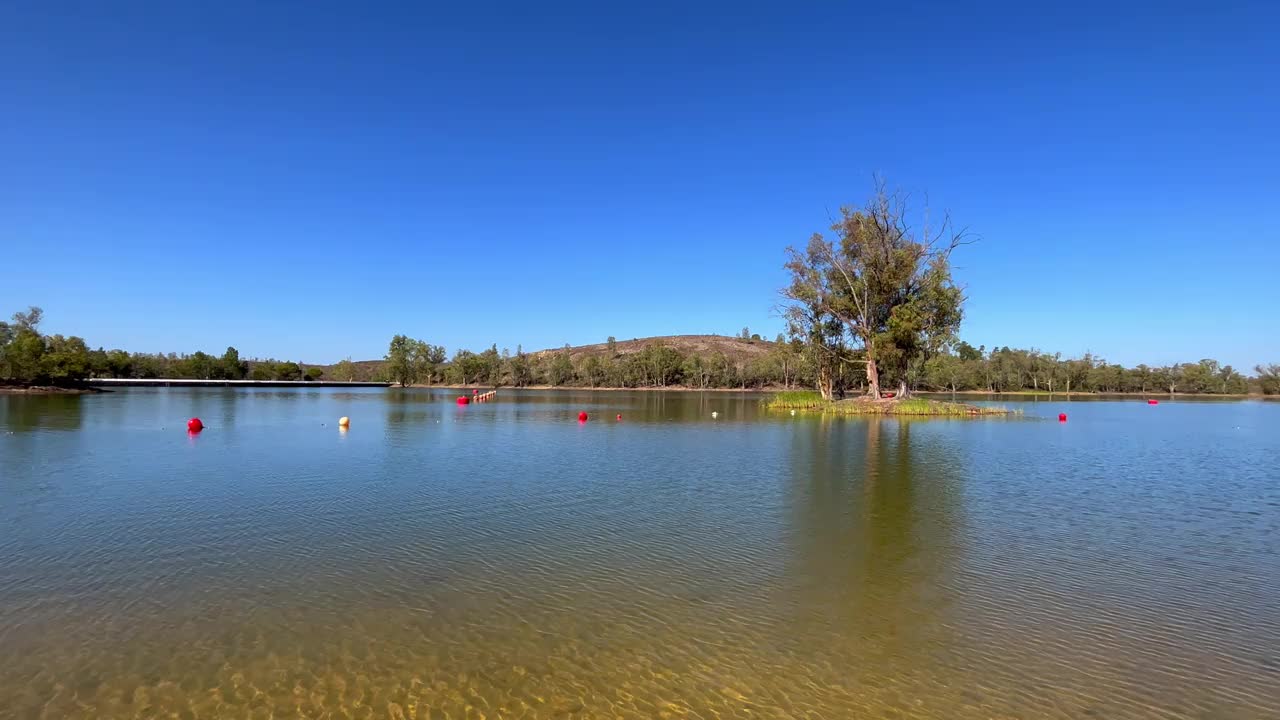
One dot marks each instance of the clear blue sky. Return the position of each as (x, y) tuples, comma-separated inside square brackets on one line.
[(303, 180)]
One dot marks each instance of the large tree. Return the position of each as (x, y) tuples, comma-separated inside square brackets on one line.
[(409, 360), (400, 366), (426, 359), (345, 370), (888, 286), (1269, 379), (519, 369), (232, 367), (819, 333)]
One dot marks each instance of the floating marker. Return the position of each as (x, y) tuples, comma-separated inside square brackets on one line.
[(1153, 402), (464, 400), (619, 416), (1062, 417), (582, 417), (714, 414), (793, 412), (194, 425), (344, 421)]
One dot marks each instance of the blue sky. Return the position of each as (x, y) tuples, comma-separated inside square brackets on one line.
[(305, 180)]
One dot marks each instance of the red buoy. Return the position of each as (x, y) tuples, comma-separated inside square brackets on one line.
[(194, 425), (1153, 402), (582, 417), (464, 400), (619, 416), (475, 392), (1062, 417)]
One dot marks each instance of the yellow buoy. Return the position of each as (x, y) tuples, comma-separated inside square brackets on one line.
[(344, 421)]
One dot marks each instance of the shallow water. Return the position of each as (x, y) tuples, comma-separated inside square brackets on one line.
[(502, 560)]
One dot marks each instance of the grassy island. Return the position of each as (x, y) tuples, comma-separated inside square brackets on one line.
[(915, 406)]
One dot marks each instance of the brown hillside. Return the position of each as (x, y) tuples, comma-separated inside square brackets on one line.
[(365, 370), (735, 349)]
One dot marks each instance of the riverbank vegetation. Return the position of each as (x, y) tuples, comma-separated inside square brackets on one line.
[(797, 400), (1005, 370)]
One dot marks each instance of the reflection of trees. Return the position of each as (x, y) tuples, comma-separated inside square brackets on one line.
[(41, 412), (697, 406), (874, 513), (24, 415), (417, 406), (638, 405), (412, 406)]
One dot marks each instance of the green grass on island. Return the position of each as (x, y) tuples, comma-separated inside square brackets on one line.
[(917, 406)]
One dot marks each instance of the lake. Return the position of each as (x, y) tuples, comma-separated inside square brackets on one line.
[(503, 560)]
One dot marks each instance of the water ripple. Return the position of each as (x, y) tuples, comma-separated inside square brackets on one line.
[(503, 561)]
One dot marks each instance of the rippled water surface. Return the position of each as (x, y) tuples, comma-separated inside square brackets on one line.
[(502, 560)]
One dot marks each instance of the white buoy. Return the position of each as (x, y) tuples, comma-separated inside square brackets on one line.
[(714, 414), (793, 412)]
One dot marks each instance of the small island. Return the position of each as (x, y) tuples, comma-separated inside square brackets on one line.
[(885, 405)]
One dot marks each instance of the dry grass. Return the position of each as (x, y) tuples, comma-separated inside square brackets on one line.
[(733, 348)]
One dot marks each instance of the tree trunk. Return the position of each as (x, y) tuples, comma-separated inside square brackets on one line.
[(873, 379), (903, 391), (825, 382)]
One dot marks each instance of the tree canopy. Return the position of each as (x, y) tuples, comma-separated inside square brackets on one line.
[(880, 287), (411, 361), (28, 357), (1269, 378)]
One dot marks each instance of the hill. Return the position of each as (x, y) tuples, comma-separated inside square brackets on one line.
[(732, 352), (734, 348)]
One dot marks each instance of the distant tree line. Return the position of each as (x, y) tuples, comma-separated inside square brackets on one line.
[(656, 365), (1011, 370), (796, 364), (28, 357), (196, 366)]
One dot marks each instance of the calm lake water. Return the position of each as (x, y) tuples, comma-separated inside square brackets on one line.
[(501, 560)]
